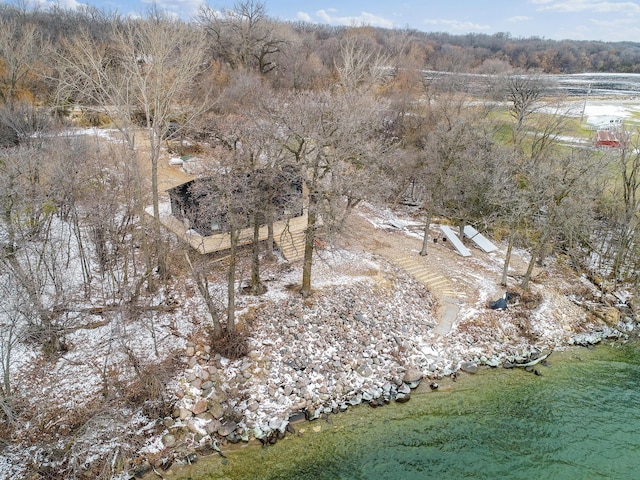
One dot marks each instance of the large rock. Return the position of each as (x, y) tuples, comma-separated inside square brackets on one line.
[(412, 377), (200, 406), (169, 440), (216, 409), (403, 397), (194, 426), (493, 362), (404, 389), (227, 427), (297, 417), (208, 385), (469, 367), (213, 426)]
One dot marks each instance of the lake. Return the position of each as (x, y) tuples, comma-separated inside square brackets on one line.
[(579, 420)]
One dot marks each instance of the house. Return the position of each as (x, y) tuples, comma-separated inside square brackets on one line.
[(202, 204), (200, 209)]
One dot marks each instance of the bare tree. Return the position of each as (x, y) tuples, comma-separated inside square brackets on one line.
[(623, 207), (361, 66), (523, 93), (535, 139), (147, 71), (562, 192), (21, 45), (39, 242), (329, 137), (244, 36), (12, 325), (22, 123), (452, 159)]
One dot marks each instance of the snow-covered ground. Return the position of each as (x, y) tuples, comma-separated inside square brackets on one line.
[(140, 386), (367, 324)]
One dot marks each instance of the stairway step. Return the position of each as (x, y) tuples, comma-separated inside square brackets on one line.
[(430, 277)]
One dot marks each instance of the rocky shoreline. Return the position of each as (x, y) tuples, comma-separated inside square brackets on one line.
[(364, 343)]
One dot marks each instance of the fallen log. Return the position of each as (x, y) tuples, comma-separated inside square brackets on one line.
[(535, 361)]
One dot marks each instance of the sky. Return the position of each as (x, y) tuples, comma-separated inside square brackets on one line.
[(607, 20)]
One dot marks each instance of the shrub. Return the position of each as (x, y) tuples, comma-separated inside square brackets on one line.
[(231, 345)]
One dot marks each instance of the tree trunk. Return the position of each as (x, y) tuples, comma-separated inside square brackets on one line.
[(6, 402), (231, 282), (535, 255), (507, 260), (84, 261), (308, 252), (139, 200), (256, 285), (425, 238), (157, 233), (461, 232), (621, 253), (203, 287), (351, 204), (270, 238)]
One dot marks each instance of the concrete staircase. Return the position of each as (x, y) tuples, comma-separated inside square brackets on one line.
[(417, 267), (441, 287), (291, 245)]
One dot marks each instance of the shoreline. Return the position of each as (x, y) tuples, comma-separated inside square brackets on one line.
[(201, 425), (211, 459), (368, 333)]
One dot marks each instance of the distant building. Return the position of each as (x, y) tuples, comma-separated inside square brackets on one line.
[(604, 122), (609, 139)]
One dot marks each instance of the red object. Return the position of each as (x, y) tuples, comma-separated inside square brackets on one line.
[(606, 138)]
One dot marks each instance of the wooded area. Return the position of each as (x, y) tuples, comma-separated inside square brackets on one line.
[(347, 110)]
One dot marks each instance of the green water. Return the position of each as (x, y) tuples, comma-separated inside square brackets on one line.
[(580, 420)]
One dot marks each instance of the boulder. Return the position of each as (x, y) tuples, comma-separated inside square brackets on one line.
[(493, 362), (200, 406), (194, 426), (169, 440), (404, 389), (403, 397), (168, 422), (297, 417), (469, 367), (208, 385), (216, 409), (412, 377), (206, 416), (226, 428), (213, 426)]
